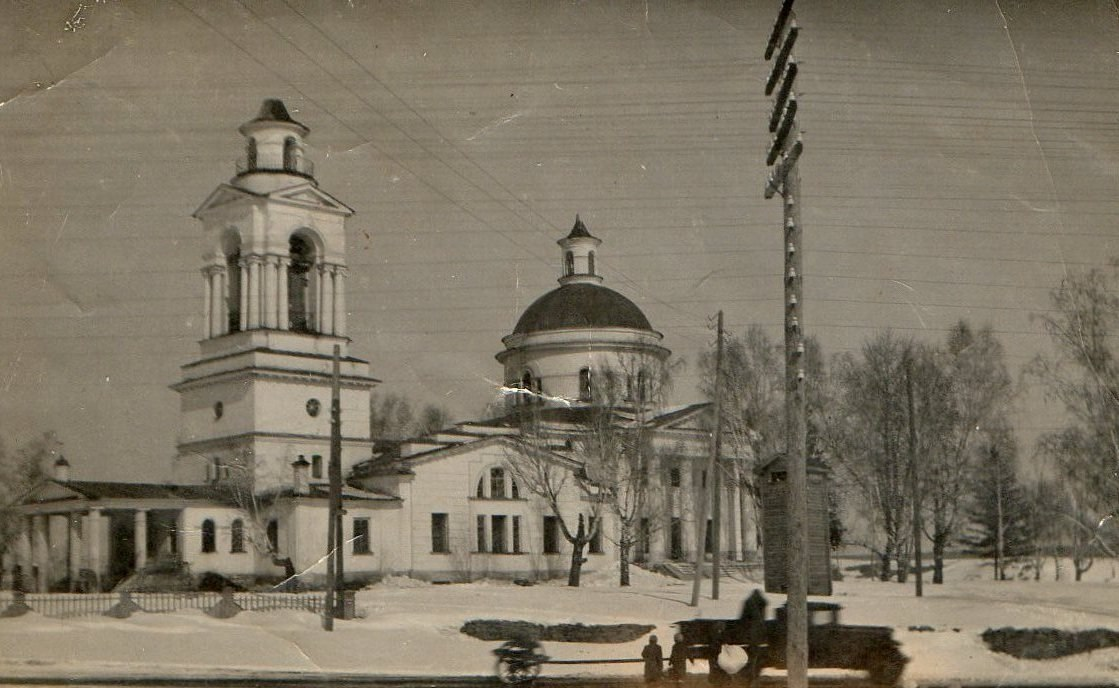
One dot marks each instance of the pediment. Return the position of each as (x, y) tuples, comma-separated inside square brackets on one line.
[(49, 492), (311, 196), (697, 418), (223, 195)]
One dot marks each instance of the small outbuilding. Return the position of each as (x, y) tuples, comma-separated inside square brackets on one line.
[(773, 482)]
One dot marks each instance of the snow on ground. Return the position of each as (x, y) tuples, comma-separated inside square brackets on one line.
[(412, 629)]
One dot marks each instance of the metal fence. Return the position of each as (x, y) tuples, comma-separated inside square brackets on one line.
[(65, 605)]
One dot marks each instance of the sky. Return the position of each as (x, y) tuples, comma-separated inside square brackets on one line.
[(960, 158)]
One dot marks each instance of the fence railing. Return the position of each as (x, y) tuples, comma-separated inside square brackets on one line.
[(65, 605)]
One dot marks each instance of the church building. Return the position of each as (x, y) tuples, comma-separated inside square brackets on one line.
[(249, 498)]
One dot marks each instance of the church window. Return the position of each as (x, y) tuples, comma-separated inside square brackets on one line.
[(481, 527), (290, 154), (551, 535), (209, 536), (273, 532), (250, 156), (596, 539), (674, 476), (237, 536), (642, 385), (568, 263), (361, 536), (301, 287), (590, 263), (497, 483), (440, 542), (480, 492), (514, 491), (585, 384), (233, 290), (516, 535), (498, 534), (676, 539), (316, 465)]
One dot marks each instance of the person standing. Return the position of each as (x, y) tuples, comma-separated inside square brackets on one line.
[(677, 659), (654, 660)]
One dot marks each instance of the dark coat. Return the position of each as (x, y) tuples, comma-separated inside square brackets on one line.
[(752, 619), (654, 661)]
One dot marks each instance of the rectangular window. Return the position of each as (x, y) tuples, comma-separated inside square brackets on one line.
[(440, 543), (596, 539), (516, 534), (497, 483), (551, 535), (644, 530), (481, 521), (316, 466), (708, 541), (676, 540), (674, 476), (497, 534), (361, 536)]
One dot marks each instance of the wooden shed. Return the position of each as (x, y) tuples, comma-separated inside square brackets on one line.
[(772, 479)]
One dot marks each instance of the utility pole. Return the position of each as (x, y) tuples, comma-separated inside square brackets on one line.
[(914, 482), (784, 179), (716, 471), (707, 491), (335, 475)]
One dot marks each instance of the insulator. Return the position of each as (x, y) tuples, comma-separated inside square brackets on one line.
[(794, 325), (792, 248), (800, 375), (790, 201), (792, 273), (792, 299), (790, 224), (800, 347)]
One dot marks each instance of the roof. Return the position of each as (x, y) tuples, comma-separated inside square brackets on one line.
[(98, 490), (581, 305), (579, 230), (273, 110)]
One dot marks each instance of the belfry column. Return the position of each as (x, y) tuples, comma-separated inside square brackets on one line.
[(221, 320), (326, 270), (92, 534), (269, 295), (208, 306), (254, 292), (282, 307), (74, 548), (244, 265), (340, 300)]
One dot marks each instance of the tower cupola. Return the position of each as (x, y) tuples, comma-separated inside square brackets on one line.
[(578, 256), (274, 154)]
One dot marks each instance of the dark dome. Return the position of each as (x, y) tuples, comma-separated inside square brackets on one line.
[(581, 305)]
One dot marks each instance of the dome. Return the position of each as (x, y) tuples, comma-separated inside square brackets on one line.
[(581, 305)]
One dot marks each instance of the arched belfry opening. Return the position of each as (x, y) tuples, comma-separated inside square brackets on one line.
[(233, 282), (301, 284), (291, 154)]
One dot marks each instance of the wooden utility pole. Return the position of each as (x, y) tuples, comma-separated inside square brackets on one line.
[(785, 180), (716, 470), (335, 475), (914, 479), (707, 491)]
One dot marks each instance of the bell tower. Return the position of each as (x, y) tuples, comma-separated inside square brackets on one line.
[(274, 283)]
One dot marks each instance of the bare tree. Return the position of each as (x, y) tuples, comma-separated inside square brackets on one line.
[(392, 417), (1084, 378), (20, 472), (553, 478)]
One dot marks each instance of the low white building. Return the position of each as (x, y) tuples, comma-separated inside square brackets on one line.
[(249, 500)]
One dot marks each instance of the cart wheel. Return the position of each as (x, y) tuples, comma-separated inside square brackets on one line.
[(518, 661)]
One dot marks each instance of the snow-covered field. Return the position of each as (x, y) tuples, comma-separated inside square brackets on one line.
[(412, 629)]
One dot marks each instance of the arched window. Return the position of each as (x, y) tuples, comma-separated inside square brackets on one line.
[(497, 483), (250, 156), (528, 386), (237, 536), (301, 284), (273, 531), (642, 386), (291, 162), (232, 248), (480, 492), (514, 491), (568, 263), (209, 536), (590, 263), (585, 384)]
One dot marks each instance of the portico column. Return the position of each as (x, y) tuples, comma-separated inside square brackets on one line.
[(327, 272), (93, 543), (340, 301), (270, 289), (73, 548), (140, 538), (24, 550), (39, 553)]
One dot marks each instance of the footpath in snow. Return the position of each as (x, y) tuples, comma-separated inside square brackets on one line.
[(412, 629)]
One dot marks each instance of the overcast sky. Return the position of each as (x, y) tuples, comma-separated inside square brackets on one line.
[(959, 158)]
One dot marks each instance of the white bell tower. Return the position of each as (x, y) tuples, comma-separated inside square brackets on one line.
[(274, 307)]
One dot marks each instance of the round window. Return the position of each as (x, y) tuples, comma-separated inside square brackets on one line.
[(313, 407)]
